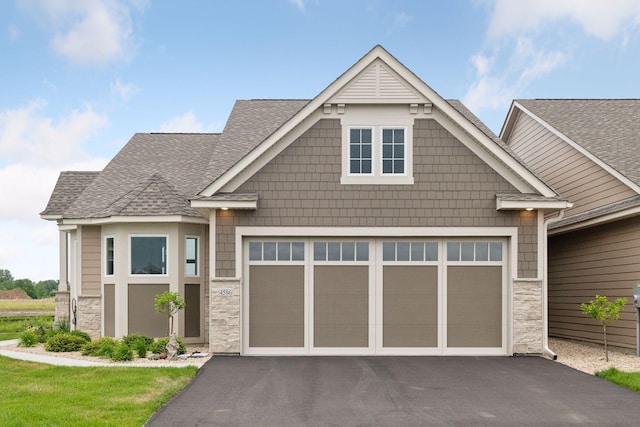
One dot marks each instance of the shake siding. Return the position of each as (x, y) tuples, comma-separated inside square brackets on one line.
[(90, 260), (572, 174), (601, 260), (301, 187)]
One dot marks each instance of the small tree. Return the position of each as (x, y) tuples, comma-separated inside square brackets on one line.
[(169, 304), (604, 311)]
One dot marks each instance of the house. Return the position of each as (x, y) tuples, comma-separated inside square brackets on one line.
[(588, 151), (376, 218)]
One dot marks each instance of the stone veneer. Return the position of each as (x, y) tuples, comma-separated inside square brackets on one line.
[(527, 317), (225, 316), (89, 315), (62, 306)]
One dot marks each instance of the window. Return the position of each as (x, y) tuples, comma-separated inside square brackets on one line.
[(191, 256), (360, 156), (410, 251), (474, 251), (377, 155), (393, 151), (341, 251), (108, 265), (276, 251), (148, 255)]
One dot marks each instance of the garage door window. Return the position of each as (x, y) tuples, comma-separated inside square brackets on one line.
[(341, 251), (474, 251), (276, 251), (410, 251)]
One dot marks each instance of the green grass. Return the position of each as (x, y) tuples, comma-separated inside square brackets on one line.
[(11, 327), (30, 305), (33, 394), (630, 380)]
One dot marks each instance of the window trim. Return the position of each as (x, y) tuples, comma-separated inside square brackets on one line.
[(166, 255), (197, 258), (377, 176), (106, 255)]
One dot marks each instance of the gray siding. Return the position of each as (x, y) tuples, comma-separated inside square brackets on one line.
[(91, 260), (301, 187), (572, 174), (601, 260)]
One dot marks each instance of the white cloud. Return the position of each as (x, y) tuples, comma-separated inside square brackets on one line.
[(26, 135), (14, 33), (402, 19), (186, 123), (88, 32), (499, 80), (298, 3), (602, 19), (123, 91)]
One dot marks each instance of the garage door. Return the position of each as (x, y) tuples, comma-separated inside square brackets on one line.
[(374, 296)]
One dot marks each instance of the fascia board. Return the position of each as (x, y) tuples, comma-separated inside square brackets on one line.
[(51, 217), (626, 181), (537, 204), (220, 204), (135, 219), (616, 216)]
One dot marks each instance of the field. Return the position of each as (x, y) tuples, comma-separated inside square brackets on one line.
[(28, 307), (17, 315)]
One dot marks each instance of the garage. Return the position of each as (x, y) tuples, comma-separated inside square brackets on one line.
[(375, 296)]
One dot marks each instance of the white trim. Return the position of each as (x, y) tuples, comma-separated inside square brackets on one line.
[(135, 219), (603, 219), (522, 177), (166, 255), (626, 181), (222, 204), (534, 204)]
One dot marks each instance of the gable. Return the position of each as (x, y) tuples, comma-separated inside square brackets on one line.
[(378, 84)]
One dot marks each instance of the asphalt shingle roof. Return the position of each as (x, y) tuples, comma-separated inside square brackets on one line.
[(607, 128), (68, 188), (154, 174)]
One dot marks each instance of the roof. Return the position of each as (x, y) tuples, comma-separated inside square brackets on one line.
[(67, 189), (154, 174), (607, 128)]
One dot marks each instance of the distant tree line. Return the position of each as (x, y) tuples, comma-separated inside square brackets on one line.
[(39, 290)]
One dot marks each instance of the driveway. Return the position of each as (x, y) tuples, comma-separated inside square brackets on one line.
[(396, 391)]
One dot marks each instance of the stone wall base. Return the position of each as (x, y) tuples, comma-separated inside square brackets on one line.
[(89, 315), (224, 327), (62, 301), (527, 317)]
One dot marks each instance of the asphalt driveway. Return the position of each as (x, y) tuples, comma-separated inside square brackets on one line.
[(396, 391)]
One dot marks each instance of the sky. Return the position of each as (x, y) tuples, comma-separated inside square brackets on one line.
[(79, 77)]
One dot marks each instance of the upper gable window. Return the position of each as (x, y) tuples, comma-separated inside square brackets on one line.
[(377, 155)]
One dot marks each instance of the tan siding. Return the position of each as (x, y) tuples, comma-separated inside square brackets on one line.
[(564, 168), (91, 260), (301, 187), (603, 260)]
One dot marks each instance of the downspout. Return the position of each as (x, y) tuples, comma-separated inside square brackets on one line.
[(545, 285)]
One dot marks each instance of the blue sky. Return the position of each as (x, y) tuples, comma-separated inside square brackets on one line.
[(80, 77)]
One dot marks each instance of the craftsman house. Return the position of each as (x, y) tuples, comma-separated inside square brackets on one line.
[(376, 218), (588, 151)]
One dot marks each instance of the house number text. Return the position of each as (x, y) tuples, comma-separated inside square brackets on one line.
[(225, 292)]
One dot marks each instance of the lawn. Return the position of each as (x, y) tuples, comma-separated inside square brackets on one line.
[(12, 326), (630, 380), (33, 394)]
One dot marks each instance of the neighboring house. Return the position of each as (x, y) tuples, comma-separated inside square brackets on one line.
[(588, 151), (376, 218)]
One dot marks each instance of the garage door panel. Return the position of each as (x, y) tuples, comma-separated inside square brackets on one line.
[(410, 306), (276, 306), (341, 306), (474, 306)]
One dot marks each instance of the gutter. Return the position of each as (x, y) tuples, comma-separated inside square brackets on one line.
[(545, 286)]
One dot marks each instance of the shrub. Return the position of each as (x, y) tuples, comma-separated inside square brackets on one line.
[(141, 347), (28, 339), (160, 346), (102, 347), (121, 352), (130, 340), (62, 325), (81, 334), (64, 342)]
